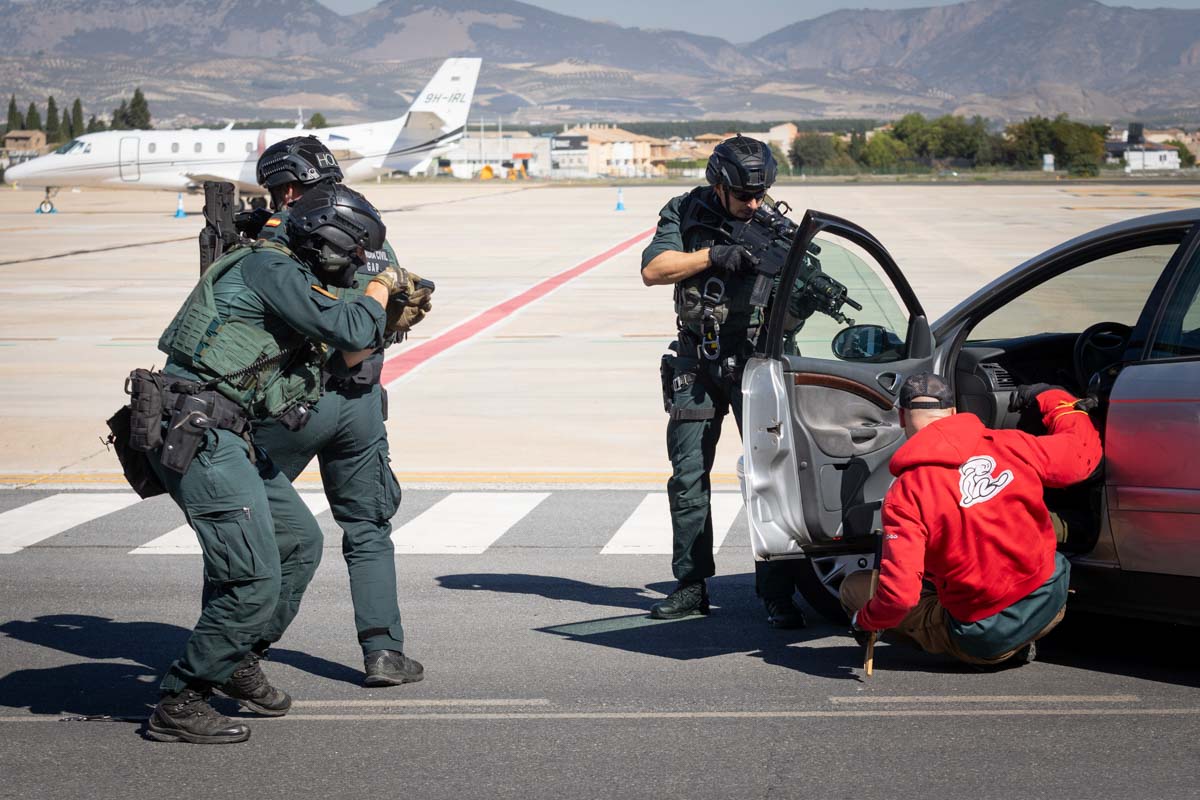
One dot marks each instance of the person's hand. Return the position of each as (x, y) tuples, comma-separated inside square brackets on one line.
[(1026, 396), (405, 310), (860, 636), (731, 257), (396, 280)]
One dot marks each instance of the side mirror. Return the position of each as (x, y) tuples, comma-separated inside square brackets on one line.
[(873, 343)]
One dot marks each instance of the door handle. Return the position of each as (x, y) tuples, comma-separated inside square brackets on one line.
[(889, 381)]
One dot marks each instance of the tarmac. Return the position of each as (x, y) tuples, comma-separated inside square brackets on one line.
[(538, 365)]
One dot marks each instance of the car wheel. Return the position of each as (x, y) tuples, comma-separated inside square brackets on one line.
[(819, 579)]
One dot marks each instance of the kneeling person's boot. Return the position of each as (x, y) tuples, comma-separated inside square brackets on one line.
[(250, 687), (686, 600), (391, 668), (187, 717)]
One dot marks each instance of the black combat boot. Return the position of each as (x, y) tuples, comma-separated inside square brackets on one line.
[(783, 613), (187, 717), (686, 600), (250, 687), (391, 668)]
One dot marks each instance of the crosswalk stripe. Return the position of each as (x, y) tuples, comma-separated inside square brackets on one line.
[(50, 516), (465, 522), (648, 529), (182, 540)]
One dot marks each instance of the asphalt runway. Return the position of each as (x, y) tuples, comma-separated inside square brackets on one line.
[(527, 405), (545, 678)]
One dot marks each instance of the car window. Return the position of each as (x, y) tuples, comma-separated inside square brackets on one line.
[(1178, 334), (811, 333), (1114, 288)]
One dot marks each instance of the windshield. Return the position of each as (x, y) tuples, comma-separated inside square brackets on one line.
[(73, 146)]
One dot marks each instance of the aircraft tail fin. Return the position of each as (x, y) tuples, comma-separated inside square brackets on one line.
[(438, 116)]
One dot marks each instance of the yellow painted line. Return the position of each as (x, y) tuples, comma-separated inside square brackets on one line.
[(99, 478)]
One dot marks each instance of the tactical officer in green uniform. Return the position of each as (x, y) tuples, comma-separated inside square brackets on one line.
[(246, 346), (346, 432), (702, 377)]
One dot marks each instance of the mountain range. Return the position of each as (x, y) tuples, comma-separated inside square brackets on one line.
[(220, 59)]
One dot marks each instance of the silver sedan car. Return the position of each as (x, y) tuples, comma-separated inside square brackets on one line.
[(1114, 313)]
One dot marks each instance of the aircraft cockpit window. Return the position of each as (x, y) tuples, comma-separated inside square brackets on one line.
[(72, 146)]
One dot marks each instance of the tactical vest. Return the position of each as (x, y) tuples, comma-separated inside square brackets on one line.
[(264, 373), (727, 294)]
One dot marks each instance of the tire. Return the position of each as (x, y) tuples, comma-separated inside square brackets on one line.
[(46, 207), (819, 578)]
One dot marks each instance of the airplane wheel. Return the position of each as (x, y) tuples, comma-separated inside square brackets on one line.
[(45, 207)]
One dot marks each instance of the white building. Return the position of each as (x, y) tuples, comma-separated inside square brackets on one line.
[(515, 152)]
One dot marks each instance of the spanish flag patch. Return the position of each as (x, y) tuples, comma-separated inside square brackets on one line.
[(325, 292), (273, 222)]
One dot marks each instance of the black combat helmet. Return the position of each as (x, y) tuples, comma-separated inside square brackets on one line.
[(300, 159), (743, 164), (331, 228)]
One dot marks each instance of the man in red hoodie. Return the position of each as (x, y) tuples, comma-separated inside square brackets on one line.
[(969, 563)]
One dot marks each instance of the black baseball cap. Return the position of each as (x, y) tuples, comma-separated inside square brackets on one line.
[(926, 384)]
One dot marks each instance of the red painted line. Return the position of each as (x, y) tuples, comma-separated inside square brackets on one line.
[(403, 363)]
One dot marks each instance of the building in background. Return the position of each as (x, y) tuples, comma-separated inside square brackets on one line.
[(569, 156), (497, 154), (22, 145), (613, 152), (1138, 153)]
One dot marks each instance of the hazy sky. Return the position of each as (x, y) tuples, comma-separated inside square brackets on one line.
[(715, 17)]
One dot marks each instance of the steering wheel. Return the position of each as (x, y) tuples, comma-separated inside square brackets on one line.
[(1097, 347)]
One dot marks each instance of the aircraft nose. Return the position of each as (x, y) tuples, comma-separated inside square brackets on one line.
[(17, 172)]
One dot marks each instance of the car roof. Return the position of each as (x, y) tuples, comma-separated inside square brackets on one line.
[(1148, 224)]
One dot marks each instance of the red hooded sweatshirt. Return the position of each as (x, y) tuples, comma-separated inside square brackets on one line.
[(966, 512)]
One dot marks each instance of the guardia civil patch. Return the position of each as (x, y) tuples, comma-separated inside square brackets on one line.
[(273, 222)]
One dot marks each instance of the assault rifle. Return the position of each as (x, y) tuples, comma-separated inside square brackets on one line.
[(770, 237), (219, 233)]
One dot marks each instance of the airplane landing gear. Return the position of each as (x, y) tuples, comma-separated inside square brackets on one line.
[(47, 205)]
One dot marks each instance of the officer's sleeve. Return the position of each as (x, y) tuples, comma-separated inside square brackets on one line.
[(668, 235), (299, 300)]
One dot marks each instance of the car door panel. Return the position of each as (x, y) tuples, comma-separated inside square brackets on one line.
[(1153, 432), (824, 451)]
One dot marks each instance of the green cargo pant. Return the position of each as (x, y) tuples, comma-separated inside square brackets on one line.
[(253, 579), (692, 447), (347, 435)]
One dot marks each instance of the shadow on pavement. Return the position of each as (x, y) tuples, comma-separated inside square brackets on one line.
[(100, 686), (1152, 651)]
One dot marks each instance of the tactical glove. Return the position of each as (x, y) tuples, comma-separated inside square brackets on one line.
[(1026, 396), (396, 280), (406, 309), (731, 257)]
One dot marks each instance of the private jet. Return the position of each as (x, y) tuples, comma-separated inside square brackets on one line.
[(182, 160)]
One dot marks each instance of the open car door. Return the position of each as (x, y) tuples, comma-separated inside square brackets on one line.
[(819, 396)]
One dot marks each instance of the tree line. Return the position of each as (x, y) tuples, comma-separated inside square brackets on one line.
[(62, 127), (915, 141)]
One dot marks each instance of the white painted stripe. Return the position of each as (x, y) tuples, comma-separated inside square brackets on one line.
[(988, 698), (419, 703), (465, 522), (648, 529), (182, 540), (485, 716), (31, 523)]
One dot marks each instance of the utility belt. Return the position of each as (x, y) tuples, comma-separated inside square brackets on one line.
[(687, 363), (189, 408)]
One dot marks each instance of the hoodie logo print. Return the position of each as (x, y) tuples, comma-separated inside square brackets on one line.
[(978, 484)]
